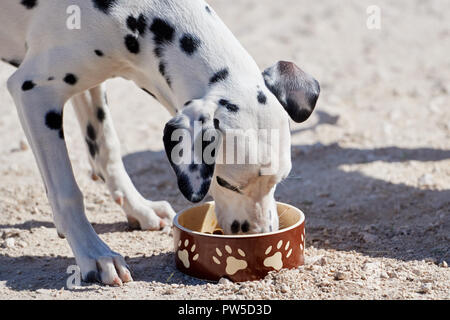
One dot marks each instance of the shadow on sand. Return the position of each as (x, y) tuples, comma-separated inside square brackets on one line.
[(342, 207), (22, 273)]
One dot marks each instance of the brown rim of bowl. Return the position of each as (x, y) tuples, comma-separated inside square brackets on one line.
[(255, 235)]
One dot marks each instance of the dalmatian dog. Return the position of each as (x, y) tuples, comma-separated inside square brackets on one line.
[(181, 54)]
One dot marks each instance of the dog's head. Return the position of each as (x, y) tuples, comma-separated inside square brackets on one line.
[(235, 143)]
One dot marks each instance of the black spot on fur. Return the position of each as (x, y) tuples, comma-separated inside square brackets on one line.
[(101, 114), (54, 121), (193, 167), (189, 44), (159, 52), (90, 131), (99, 53), (137, 25), (93, 147), (162, 68), (91, 136), (188, 103), (132, 44), (50, 78), (169, 82), (235, 226), (142, 24), (70, 79), (104, 5), (262, 97), (245, 227), (163, 71), (28, 85), (163, 34), (221, 75), (29, 4), (162, 30), (208, 9), (230, 107)]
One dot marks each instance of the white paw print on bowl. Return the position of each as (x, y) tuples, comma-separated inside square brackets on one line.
[(184, 254), (233, 265), (303, 241), (276, 260)]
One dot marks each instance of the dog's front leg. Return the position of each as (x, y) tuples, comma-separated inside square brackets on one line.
[(106, 160), (39, 100)]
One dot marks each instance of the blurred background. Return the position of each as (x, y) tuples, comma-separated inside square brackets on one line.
[(371, 168)]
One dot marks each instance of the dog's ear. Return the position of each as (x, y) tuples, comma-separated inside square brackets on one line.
[(191, 143), (296, 90)]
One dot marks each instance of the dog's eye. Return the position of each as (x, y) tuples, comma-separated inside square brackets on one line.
[(223, 183)]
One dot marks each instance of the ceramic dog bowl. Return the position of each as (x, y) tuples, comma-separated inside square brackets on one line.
[(203, 252)]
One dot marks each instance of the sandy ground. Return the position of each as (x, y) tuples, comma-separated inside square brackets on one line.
[(371, 168)]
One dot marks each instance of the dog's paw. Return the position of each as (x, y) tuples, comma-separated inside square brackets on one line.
[(109, 269), (148, 215)]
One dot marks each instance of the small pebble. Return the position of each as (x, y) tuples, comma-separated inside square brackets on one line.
[(393, 275), (417, 272), (244, 292), (23, 145), (41, 291), (369, 238), (331, 204), (224, 281), (312, 260), (425, 180), (372, 266), (22, 244), (340, 276), (169, 291), (425, 288), (9, 243), (285, 289)]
